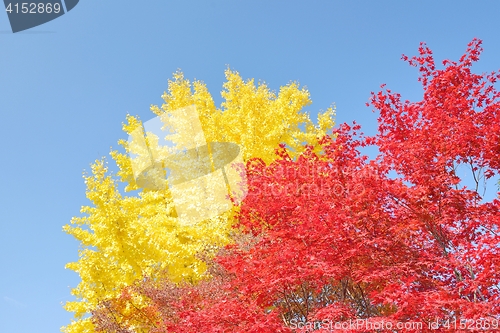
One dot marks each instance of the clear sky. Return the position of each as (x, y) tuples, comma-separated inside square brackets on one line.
[(66, 87)]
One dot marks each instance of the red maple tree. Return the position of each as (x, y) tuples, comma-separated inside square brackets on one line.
[(336, 240)]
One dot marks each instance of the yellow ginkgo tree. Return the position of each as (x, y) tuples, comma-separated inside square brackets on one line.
[(128, 237)]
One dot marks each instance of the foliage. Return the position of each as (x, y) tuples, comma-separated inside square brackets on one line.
[(331, 236), (125, 238)]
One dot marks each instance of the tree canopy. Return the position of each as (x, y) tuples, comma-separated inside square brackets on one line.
[(327, 237), (127, 237)]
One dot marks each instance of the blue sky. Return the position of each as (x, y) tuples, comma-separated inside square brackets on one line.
[(66, 87)]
